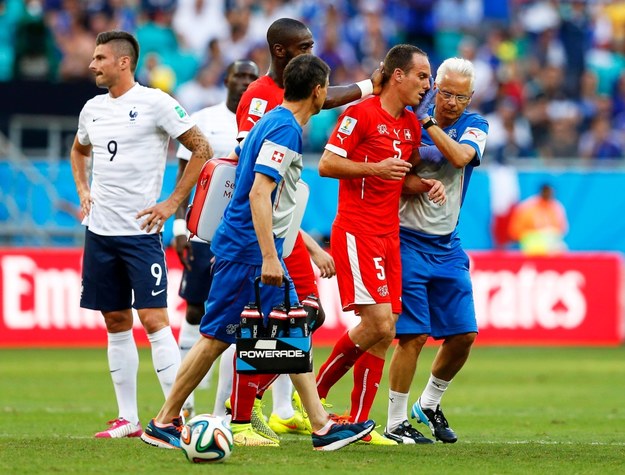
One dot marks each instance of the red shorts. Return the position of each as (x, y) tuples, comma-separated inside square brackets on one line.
[(368, 269), (300, 269)]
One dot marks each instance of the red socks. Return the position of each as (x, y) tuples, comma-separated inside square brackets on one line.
[(367, 375), (245, 388), (264, 382), (344, 355)]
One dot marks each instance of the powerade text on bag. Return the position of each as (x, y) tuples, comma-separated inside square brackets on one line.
[(264, 354)]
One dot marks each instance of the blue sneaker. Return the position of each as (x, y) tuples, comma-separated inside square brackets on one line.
[(341, 435), (436, 420), (167, 437)]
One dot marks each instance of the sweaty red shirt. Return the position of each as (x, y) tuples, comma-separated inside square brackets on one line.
[(367, 133), (260, 97)]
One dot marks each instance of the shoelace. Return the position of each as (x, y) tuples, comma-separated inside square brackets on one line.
[(113, 422), (177, 423), (257, 410), (440, 418), (343, 419), (412, 432)]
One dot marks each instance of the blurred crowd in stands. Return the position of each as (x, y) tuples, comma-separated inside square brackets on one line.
[(550, 73)]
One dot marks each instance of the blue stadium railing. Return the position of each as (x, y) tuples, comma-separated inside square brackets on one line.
[(39, 205)]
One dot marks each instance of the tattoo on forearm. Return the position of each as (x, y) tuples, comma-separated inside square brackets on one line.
[(194, 140)]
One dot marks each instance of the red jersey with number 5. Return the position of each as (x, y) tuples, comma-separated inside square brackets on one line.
[(367, 133)]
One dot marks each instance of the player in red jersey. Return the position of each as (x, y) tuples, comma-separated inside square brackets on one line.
[(370, 151), (287, 38)]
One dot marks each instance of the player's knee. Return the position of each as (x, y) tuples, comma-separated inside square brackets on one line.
[(385, 329), (388, 338), (194, 313), (118, 321), (410, 345), (153, 319), (420, 340), (469, 338), (464, 340)]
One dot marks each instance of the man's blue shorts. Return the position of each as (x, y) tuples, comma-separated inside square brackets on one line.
[(232, 289), (437, 296), (196, 283), (116, 266)]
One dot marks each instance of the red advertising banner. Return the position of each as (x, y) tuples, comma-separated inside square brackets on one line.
[(40, 291), (573, 299)]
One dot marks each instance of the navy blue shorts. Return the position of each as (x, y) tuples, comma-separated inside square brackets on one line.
[(196, 283), (437, 294), (232, 290), (115, 266)]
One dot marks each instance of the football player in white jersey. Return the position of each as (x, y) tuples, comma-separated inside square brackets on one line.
[(437, 294), (126, 134), (219, 123)]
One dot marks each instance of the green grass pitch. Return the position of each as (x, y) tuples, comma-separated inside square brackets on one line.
[(516, 411)]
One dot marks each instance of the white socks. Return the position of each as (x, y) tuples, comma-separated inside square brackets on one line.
[(433, 392), (165, 357), (189, 334), (224, 385), (186, 339), (398, 402), (282, 395), (397, 409), (123, 361)]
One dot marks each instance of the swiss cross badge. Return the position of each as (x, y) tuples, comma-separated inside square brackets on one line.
[(277, 157)]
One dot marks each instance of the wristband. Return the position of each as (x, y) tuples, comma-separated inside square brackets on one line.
[(366, 87), (429, 123), (180, 227)]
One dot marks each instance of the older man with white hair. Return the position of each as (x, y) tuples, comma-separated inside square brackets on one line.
[(437, 294)]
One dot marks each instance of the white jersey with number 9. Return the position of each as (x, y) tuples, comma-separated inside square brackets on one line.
[(129, 135)]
